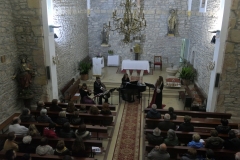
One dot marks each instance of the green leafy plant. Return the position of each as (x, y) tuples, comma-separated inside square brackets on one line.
[(187, 73), (110, 52), (84, 67)]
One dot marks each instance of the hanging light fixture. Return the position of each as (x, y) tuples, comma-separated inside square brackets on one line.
[(131, 23)]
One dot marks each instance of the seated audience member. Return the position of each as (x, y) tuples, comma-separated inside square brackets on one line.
[(43, 118), (153, 113), (40, 105), (54, 106), (10, 143), (67, 157), (82, 109), (209, 155), (50, 131), (155, 138), (224, 128), (17, 128), (44, 149), (214, 142), (26, 116), (171, 113), (106, 111), (26, 146), (190, 155), (75, 119), (233, 142), (78, 148), (62, 118), (159, 152), (66, 131), (71, 107), (166, 124), (172, 139), (186, 126), (26, 156), (95, 111), (33, 131), (195, 143), (237, 156), (10, 154), (82, 133), (61, 149)]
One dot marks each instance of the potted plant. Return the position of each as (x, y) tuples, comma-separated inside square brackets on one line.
[(187, 75), (110, 52), (84, 68)]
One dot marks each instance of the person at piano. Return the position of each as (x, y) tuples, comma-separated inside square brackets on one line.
[(85, 93), (125, 79), (99, 87), (157, 95)]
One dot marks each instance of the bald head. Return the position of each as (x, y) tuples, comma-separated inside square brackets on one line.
[(163, 147), (167, 117)]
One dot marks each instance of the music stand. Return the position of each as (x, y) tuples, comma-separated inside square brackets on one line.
[(149, 85)]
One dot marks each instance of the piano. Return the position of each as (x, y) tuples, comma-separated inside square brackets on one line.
[(130, 89)]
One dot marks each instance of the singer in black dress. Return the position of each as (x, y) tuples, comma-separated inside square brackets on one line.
[(85, 93), (157, 95), (99, 87), (125, 79)]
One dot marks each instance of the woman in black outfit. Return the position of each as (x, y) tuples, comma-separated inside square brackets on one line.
[(157, 95), (85, 93), (125, 79)]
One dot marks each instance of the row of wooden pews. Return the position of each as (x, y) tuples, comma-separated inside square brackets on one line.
[(203, 123)]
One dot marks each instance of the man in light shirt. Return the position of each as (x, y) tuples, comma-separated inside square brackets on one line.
[(17, 128)]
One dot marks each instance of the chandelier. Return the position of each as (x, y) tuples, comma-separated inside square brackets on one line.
[(131, 23)]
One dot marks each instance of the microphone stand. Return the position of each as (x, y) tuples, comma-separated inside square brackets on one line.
[(149, 86)]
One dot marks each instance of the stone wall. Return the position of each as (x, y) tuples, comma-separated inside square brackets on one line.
[(72, 42), (200, 39), (20, 33), (229, 99), (155, 42)]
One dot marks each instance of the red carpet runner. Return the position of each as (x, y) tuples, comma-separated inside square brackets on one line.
[(128, 141)]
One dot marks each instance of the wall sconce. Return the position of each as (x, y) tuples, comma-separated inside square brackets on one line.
[(55, 60), (217, 32)]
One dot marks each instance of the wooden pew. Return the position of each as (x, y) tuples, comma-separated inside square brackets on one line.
[(195, 113), (70, 93), (185, 137), (48, 157), (101, 132), (64, 105), (66, 87), (87, 117), (220, 154), (198, 122)]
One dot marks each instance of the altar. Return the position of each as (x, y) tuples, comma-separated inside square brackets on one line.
[(135, 65)]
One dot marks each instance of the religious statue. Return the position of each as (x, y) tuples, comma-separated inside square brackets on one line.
[(105, 35), (172, 20), (24, 77), (137, 50)]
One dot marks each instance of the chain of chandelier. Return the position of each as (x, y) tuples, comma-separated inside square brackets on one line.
[(131, 23)]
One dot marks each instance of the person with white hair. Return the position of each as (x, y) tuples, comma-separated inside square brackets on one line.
[(43, 118), (153, 114), (166, 124), (155, 138), (26, 146), (17, 128), (159, 152), (237, 156), (62, 118)]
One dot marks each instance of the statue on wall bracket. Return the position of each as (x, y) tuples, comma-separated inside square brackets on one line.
[(24, 76), (105, 36), (172, 23)]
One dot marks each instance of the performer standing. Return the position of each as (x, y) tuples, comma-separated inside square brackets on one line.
[(157, 95), (85, 93), (99, 87), (125, 79)]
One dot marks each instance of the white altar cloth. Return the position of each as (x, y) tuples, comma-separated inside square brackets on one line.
[(135, 65), (98, 64), (113, 60)]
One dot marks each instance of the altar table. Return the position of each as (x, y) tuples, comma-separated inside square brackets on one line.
[(135, 65)]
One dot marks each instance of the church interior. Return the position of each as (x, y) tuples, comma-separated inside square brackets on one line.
[(183, 54)]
